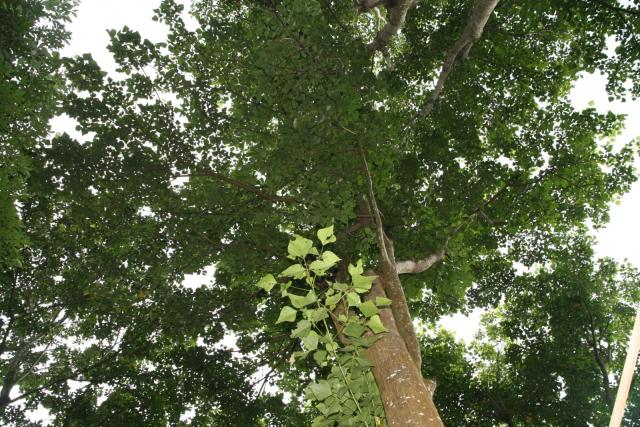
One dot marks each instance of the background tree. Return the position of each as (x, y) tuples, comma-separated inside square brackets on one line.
[(552, 352), (274, 118)]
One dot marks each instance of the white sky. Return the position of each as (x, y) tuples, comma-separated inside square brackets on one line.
[(617, 240)]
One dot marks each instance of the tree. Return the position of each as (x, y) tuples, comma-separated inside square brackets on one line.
[(550, 351), (437, 138)]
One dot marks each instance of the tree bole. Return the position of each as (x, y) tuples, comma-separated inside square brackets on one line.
[(407, 402)]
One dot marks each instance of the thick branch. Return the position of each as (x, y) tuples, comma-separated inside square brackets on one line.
[(415, 267), (396, 15), (472, 32)]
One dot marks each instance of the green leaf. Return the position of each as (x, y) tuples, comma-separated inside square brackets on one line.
[(317, 314), (332, 300), (320, 267), (340, 286), (287, 314), (356, 269), (297, 271), (267, 282), (368, 308), (375, 324), (362, 284), (301, 301), (311, 341), (283, 288), (354, 329), (382, 301), (353, 299), (330, 257), (321, 390), (302, 329), (300, 247), (320, 357), (326, 235)]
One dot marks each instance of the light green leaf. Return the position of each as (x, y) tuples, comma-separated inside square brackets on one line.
[(320, 267), (368, 308), (311, 341), (382, 301), (332, 300), (302, 329), (375, 324), (326, 261), (287, 314), (321, 390), (297, 271), (330, 257), (283, 289), (320, 357), (356, 269), (353, 299), (354, 329), (340, 286), (300, 301), (326, 235), (267, 282), (317, 314), (362, 284), (300, 247)]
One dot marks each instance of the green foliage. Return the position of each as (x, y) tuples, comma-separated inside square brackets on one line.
[(30, 87), (335, 334), (212, 148), (551, 353)]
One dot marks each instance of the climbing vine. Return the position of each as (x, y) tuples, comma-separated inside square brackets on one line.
[(335, 324)]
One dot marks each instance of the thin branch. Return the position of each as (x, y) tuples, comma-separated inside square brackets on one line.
[(243, 185), (594, 343), (614, 8), (374, 207), (113, 353), (14, 281), (392, 284)]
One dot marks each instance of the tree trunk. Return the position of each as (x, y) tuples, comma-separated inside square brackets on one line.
[(406, 399)]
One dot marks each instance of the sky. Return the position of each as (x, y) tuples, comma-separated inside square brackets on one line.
[(616, 240)]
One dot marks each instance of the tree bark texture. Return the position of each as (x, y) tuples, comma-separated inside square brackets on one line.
[(407, 400)]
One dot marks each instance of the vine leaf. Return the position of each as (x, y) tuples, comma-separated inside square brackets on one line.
[(297, 271), (300, 247), (368, 308), (267, 282), (326, 236), (287, 314), (382, 301), (321, 390), (375, 324)]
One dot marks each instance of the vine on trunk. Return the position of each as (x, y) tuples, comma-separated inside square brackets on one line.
[(335, 326)]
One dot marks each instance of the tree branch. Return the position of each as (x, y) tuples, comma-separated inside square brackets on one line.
[(594, 343), (480, 13), (391, 281), (415, 267), (243, 185), (396, 15), (614, 8)]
